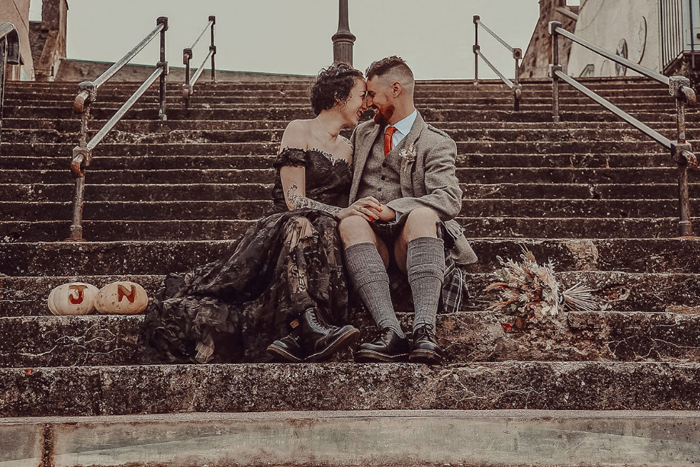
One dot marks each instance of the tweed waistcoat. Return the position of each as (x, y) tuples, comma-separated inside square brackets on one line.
[(381, 175)]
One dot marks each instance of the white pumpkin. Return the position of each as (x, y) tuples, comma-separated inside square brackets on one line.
[(121, 298), (75, 298)]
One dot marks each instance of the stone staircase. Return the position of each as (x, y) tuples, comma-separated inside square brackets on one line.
[(620, 386)]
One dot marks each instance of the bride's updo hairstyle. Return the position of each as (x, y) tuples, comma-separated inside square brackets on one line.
[(333, 84)]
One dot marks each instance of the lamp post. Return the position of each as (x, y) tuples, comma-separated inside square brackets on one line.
[(343, 40)]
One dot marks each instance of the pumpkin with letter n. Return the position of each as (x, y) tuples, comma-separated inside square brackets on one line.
[(75, 298), (121, 298)]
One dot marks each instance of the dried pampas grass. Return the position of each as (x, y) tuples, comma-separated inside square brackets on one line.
[(529, 289)]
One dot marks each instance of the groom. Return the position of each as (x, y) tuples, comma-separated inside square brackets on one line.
[(409, 166)]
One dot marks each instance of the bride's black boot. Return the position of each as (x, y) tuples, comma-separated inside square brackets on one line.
[(288, 348), (321, 340)]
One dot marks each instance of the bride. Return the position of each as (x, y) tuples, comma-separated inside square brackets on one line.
[(285, 275)]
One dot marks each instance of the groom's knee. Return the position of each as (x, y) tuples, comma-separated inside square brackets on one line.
[(354, 230)]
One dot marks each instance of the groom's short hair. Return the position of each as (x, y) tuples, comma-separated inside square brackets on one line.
[(395, 65)]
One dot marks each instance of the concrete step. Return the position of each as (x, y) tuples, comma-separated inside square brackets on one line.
[(270, 147), (466, 337), (643, 255), (498, 100), (183, 230), (435, 115), (220, 136), (359, 437), (254, 209), (486, 175), (152, 389), (143, 192), (613, 290), (575, 191), (152, 126), (169, 162), (29, 192)]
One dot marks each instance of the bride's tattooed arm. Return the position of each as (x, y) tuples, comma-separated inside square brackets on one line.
[(297, 201)]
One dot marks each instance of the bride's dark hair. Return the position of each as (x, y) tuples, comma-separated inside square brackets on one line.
[(333, 84)]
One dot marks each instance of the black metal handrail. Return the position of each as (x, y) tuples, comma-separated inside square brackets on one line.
[(679, 88), (9, 53), (87, 95), (188, 87), (515, 85)]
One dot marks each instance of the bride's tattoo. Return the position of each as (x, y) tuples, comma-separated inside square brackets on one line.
[(298, 201)]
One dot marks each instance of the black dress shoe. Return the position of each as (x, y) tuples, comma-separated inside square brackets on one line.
[(425, 346), (387, 347), (287, 349)]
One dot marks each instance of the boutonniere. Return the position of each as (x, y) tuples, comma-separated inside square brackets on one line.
[(408, 157)]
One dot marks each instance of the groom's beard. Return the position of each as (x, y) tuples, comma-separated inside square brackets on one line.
[(381, 118)]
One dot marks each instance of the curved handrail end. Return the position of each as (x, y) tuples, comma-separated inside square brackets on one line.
[(186, 55), (553, 25), (86, 95), (81, 159), (679, 87)]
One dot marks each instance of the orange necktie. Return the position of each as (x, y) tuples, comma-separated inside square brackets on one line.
[(388, 143)]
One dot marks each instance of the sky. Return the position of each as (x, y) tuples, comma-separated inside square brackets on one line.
[(294, 36)]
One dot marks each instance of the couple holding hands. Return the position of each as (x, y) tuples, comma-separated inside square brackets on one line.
[(344, 211)]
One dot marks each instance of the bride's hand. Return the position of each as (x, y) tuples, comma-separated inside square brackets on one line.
[(368, 208)]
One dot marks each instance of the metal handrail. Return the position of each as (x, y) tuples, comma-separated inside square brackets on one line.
[(516, 87), (87, 95), (9, 53), (679, 88), (188, 86)]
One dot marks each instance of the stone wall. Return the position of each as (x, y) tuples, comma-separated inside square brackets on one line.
[(80, 70), (538, 55), (17, 13), (49, 39), (629, 28)]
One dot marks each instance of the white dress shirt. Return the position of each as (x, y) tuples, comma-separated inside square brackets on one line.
[(403, 127)]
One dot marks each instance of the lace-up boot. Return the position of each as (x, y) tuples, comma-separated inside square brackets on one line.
[(288, 348), (320, 340)]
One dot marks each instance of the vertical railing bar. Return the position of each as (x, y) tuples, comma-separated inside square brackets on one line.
[(553, 68), (475, 49), (163, 64), (212, 48)]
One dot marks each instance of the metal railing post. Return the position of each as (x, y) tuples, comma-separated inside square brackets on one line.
[(553, 68), (164, 65), (212, 48), (518, 88), (186, 57), (679, 88), (82, 156), (476, 49)]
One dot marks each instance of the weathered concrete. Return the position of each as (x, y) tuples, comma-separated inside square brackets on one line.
[(366, 438), (643, 255), (348, 386), (465, 337)]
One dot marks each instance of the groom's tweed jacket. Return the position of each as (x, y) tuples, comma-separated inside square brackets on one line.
[(425, 161)]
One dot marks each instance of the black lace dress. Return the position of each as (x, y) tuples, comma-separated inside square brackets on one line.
[(233, 308)]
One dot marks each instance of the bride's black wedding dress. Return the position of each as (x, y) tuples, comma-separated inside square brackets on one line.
[(288, 262)]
